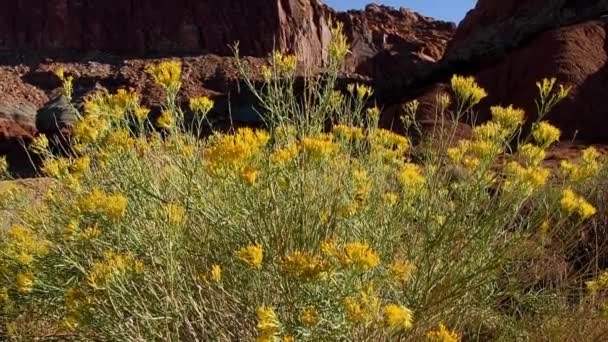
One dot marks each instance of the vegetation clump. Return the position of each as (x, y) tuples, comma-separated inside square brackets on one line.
[(294, 232)]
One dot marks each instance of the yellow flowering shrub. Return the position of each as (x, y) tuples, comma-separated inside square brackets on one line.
[(319, 226)]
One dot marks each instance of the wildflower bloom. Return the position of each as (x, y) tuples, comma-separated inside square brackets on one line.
[(285, 154), (80, 165), (174, 213), (166, 74), (531, 155), (216, 273), (40, 144), (25, 282), (599, 284), (285, 65), (398, 318), (318, 147), (467, 90), (442, 334), (252, 255), (166, 120), (489, 131), (304, 265), (545, 134), (349, 133), (201, 104), (23, 245), (249, 175), (360, 255), (309, 317), (526, 178), (141, 113), (508, 118), (363, 91), (389, 145), (88, 129), (232, 150), (573, 204), (3, 165), (363, 307), (373, 113), (587, 167), (268, 325), (401, 270), (391, 198), (338, 46), (55, 167), (114, 206), (544, 229), (111, 266), (410, 177), (3, 295)]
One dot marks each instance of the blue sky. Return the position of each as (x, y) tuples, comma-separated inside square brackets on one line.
[(451, 10)]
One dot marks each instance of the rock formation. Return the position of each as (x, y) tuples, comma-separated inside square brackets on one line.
[(510, 45)]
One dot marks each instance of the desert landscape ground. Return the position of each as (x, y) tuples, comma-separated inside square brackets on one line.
[(282, 171)]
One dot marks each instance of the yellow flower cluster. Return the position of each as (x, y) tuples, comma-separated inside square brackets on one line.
[(25, 282), (599, 284), (249, 175), (73, 231), (363, 307), (319, 147), (525, 178), (23, 245), (112, 266), (252, 255), (467, 90), (268, 325), (588, 166), (114, 206), (67, 82), (216, 273), (398, 318), (166, 119), (362, 91), (75, 300), (174, 213), (88, 129), (388, 145), (309, 317), (201, 105), (338, 47), (360, 255), (573, 204), (3, 165), (232, 150), (545, 134), (362, 185), (40, 145), (357, 254), (304, 265), (285, 154), (508, 118), (401, 270), (285, 65), (531, 155), (442, 334), (166, 74), (411, 178), (348, 133)]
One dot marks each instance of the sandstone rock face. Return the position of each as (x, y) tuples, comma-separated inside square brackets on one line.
[(169, 27), (385, 40), (510, 45)]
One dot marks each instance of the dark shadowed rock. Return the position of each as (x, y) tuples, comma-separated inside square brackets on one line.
[(57, 116)]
